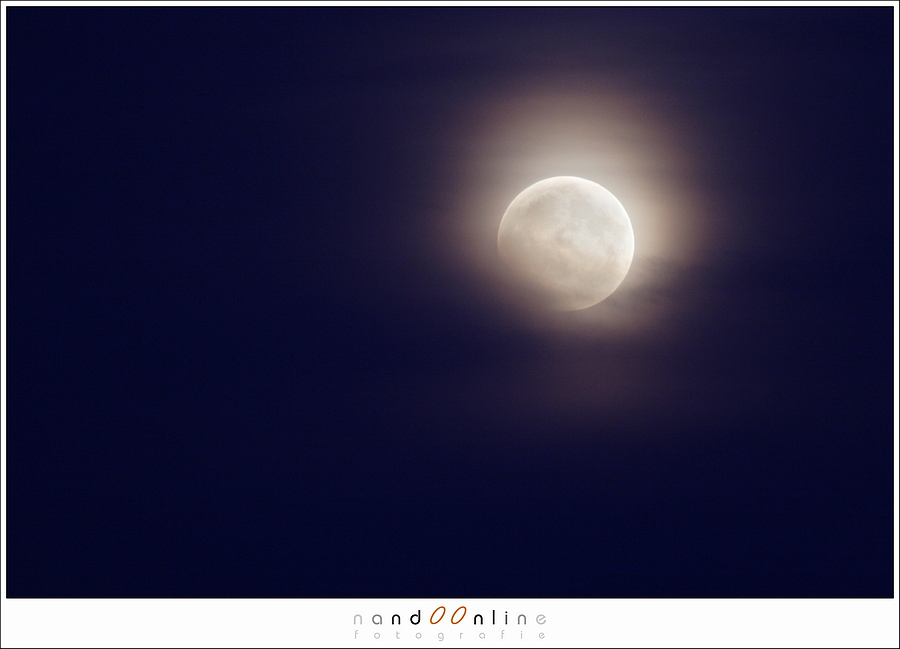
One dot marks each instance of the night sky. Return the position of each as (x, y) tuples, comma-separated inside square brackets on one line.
[(259, 343)]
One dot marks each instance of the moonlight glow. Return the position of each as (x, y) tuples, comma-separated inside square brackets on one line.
[(569, 240)]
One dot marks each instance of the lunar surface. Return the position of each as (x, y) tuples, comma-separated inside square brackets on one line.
[(568, 240)]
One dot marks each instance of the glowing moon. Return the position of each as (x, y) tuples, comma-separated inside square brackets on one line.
[(569, 240)]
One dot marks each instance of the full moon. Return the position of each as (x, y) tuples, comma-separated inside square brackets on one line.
[(568, 240)]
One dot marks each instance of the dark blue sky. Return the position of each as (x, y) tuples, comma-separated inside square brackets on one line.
[(232, 370)]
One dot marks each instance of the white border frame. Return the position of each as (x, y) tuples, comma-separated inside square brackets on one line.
[(329, 623)]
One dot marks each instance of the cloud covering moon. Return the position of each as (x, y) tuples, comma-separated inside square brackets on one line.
[(568, 240)]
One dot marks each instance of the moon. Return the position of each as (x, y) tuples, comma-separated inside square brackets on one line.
[(568, 240)]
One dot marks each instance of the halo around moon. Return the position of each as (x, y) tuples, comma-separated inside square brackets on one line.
[(568, 240)]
